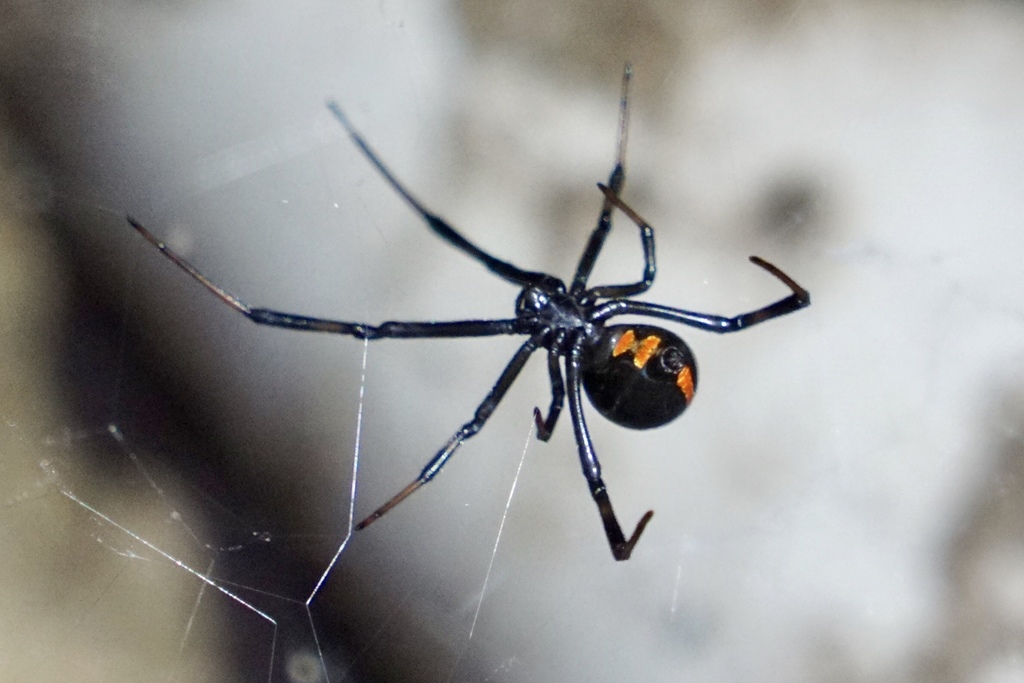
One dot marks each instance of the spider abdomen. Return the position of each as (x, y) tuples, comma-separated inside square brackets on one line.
[(639, 376)]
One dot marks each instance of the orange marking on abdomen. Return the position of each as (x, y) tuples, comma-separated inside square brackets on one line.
[(626, 343), (684, 380), (645, 350)]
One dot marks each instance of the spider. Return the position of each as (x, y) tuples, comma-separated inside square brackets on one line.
[(637, 376)]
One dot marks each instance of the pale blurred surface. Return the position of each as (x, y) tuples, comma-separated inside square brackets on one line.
[(843, 502)]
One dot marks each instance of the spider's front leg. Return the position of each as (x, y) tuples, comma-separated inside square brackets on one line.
[(621, 547)]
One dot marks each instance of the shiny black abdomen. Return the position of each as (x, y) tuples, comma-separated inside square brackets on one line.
[(639, 376)]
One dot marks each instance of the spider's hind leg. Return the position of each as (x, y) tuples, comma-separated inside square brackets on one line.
[(621, 547)]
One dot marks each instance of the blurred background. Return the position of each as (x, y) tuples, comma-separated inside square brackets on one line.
[(843, 502)]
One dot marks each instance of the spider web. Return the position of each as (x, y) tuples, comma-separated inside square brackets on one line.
[(177, 529), (842, 502)]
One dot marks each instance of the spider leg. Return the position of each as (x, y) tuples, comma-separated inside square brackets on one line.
[(466, 431), (390, 329), (502, 269), (597, 238), (611, 198), (616, 180), (621, 548), (386, 330), (800, 298), (545, 426)]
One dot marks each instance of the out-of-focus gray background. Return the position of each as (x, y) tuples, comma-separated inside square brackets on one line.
[(843, 501)]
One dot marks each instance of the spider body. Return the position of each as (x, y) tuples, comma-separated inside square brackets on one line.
[(550, 309), (638, 376)]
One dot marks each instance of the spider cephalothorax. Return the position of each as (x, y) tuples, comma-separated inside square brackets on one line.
[(638, 376)]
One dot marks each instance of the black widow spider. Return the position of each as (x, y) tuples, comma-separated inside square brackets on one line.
[(638, 376)]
